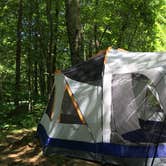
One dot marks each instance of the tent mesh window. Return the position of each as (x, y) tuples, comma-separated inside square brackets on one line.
[(148, 107), (88, 72), (137, 114), (68, 112), (124, 115), (49, 109)]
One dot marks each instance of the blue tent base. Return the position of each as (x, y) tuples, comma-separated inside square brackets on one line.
[(112, 149)]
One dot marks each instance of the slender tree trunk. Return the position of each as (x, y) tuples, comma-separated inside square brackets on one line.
[(36, 52), (1, 88), (29, 61), (95, 37), (41, 52), (18, 55), (41, 79), (119, 40), (50, 45), (122, 31), (57, 6), (35, 80), (131, 38), (74, 30), (90, 47), (42, 68), (29, 56), (39, 70), (96, 41)]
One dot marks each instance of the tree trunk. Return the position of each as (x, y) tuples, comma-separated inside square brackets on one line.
[(29, 61), (41, 79), (41, 52), (35, 80), (50, 44), (73, 24), (96, 41), (57, 6), (18, 55), (1, 88), (124, 25), (119, 40)]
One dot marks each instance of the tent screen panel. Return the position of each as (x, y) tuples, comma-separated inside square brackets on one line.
[(49, 109), (144, 89), (69, 113), (147, 111), (124, 116), (135, 104), (88, 72)]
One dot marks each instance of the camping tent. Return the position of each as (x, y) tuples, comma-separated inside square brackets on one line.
[(110, 109)]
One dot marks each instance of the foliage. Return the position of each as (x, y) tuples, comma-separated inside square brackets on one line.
[(160, 24), (24, 119), (132, 25)]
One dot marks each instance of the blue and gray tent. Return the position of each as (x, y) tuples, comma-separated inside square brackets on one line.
[(109, 109)]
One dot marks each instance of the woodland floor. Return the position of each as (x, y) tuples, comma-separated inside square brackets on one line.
[(20, 148), (18, 144)]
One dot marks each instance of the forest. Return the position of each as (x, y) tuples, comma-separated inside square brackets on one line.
[(41, 36)]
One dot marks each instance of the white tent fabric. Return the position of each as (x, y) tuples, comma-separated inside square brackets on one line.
[(109, 109), (125, 62), (84, 93), (152, 65)]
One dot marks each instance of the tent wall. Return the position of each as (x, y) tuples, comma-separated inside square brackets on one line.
[(89, 98), (84, 136), (108, 97), (120, 99)]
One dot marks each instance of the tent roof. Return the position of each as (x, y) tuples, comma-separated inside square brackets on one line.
[(118, 61), (88, 71), (125, 62)]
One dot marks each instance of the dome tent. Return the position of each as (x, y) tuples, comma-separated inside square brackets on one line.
[(110, 109)]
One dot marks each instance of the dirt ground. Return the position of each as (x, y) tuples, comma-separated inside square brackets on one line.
[(22, 149)]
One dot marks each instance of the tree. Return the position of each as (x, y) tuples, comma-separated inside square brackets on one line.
[(50, 44), (74, 30), (57, 34), (18, 54)]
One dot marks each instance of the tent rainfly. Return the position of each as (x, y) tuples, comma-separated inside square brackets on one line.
[(109, 109)]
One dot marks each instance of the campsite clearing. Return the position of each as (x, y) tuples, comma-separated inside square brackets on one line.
[(20, 148)]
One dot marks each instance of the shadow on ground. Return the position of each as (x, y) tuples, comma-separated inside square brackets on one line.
[(23, 149), (18, 145)]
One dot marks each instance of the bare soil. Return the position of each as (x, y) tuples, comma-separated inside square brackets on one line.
[(22, 149)]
